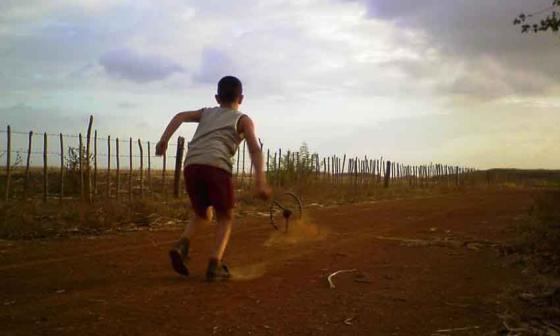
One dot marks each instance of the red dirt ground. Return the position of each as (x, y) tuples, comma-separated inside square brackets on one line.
[(122, 284)]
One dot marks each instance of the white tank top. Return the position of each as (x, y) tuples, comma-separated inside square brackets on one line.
[(216, 138)]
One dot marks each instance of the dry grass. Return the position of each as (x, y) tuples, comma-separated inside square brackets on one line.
[(539, 234), (35, 219), (28, 217)]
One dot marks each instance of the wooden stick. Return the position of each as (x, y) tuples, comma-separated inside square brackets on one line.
[(94, 163), (356, 165), (118, 185), (329, 169), (80, 163), (130, 169), (141, 168), (243, 163), (288, 167), (274, 168), (343, 166), (317, 166), (8, 162), (61, 167), (163, 173), (267, 163), (149, 169), (337, 165), (88, 168), (108, 167), (28, 162), (279, 166), (237, 170), (297, 166), (387, 174), (45, 172)]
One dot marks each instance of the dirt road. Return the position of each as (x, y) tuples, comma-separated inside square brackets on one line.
[(424, 266)]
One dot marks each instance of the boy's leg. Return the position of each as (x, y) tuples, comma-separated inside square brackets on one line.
[(217, 270), (198, 194), (223, 231), (179, 254), (195, 224)]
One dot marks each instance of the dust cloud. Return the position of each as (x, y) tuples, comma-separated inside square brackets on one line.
[(300, 231), (248, 272)]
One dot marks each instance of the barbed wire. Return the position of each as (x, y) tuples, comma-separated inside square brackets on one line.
[(122, 141), (24, 151), (74, 136)]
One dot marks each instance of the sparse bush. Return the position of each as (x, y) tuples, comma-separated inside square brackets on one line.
[(73, 161), (540, 233)]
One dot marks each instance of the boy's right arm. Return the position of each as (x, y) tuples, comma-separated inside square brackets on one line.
[(178, 119), (247, 127)]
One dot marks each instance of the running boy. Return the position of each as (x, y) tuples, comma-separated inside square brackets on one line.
[(208, 171)]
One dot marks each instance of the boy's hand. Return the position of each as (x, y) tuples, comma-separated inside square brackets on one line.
[(263, 191), (161, 148)]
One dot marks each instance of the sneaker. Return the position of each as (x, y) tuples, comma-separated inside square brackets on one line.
[(217, 270), (178, 255)]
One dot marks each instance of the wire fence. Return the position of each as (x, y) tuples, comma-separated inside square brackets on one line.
[(89, 167)]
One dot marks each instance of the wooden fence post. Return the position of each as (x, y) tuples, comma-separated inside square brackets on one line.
[(338, 165), (141, 168), (61, 167), (28, 162), (45, 167), (94, 163), (387, 174), (356, 167), (88, 168), (8, 162), (343, 167), (178, 164), (118, 184), (288, 175), (130, 169), (163, 173), (108, 167), (374, 171), (268, 163), (279, 166), (237, 170), (149, 169), (329, 169), (297, 167), (243, 164), (81, 165)]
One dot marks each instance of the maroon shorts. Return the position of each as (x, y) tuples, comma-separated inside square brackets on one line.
[(209, 186)]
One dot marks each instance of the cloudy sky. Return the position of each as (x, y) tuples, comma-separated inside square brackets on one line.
[(450, 81)]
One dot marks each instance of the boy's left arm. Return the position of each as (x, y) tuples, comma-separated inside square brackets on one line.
[(178, 119)]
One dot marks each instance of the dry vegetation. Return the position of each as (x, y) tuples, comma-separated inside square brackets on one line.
[(533, 309), (28, 216), (539, 234)]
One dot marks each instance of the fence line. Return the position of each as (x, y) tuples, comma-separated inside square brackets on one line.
[(79, 168)]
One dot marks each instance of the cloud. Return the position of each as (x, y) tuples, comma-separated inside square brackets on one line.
[(214, 65), (23, 117), (478, 37), (131, 65), (344, 66)]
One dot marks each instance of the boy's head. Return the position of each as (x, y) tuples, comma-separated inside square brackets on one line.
[(230, 91)]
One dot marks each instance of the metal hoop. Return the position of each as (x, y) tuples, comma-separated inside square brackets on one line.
[(287, 213)]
